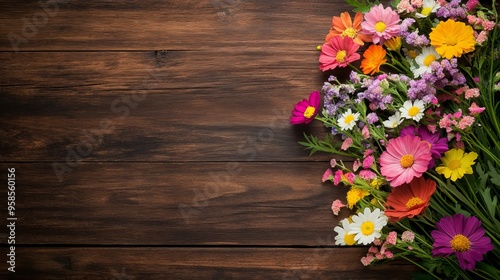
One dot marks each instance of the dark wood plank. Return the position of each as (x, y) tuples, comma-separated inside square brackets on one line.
[(145, 106), (233, 203), (156, 25), (199, 263)]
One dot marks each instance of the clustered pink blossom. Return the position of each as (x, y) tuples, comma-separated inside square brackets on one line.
[(336, 206), (475, 110), (368, 162), (328, 175), (346, 144), (458, 120), (408, 236), (471, 93), (392, 237)]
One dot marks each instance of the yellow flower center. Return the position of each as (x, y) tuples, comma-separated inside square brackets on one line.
[(412, 202), (406, 161), (426, 11), (340, 56), (460, 243), (367, 228), (412, 54), (349, 119), (349, 239), (413, 111), (349, 32), (429, 59), (454, 164), (309, 112), (376, 183), (451, 41), (380, 26)]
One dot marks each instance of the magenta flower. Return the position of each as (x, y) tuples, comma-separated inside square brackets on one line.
[(338, 52), (437, 145), (406, 157), (381, 23), (305, 110), (462, 236)]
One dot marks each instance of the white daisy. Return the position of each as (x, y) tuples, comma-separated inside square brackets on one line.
[(367, 225), (348, 120), (393, 120), (343, 238), (424, 61), (414, 111), (428, 7)]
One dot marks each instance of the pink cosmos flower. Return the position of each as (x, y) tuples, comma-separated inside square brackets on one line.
[(336, 206), (381, 23), (406, 157), (462, 236), (338, 52), (437, 144), (305, 110)]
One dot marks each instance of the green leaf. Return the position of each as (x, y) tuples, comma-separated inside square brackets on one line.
[(362, 5), (490, 202), (495, 176)]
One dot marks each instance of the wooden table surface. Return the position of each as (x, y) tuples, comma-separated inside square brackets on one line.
[(150, 140)]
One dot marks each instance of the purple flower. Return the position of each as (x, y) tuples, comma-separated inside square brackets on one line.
[(452, 10), (371, 118), (462, 236), (437, 145), (416, 40)]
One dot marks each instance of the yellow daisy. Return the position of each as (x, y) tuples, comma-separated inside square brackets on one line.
[(456, 163), (452, 38), (354, 195)]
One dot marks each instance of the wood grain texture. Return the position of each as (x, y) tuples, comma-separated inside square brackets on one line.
[(233, 203), (151, 141), (201, 263), (173, 25), (145, 106)]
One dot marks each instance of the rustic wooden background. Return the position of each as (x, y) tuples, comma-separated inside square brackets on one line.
[(151, 140)]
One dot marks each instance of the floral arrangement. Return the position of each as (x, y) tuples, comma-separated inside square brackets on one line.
[(419, 116)]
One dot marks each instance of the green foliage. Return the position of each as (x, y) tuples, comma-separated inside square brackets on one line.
[(362, 5)]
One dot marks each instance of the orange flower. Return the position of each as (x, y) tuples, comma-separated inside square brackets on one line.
[(344, 26), (409, 200), (373, 57)]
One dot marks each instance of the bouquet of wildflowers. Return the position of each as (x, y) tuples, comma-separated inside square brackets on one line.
[(419, 115)]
